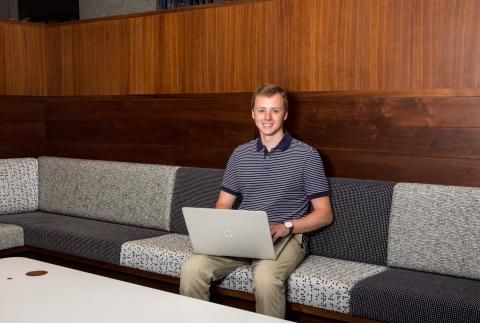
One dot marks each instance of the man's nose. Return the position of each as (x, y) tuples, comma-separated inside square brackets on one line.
[(268, 115)]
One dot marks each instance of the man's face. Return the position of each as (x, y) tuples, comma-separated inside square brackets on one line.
[(269, 114)]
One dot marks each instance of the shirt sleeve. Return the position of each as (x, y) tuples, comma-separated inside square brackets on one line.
[(316, 183), (230, 183)]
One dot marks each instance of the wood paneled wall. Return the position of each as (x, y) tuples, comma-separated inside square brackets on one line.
[(189, 130), (304, 45), (385, 57), (22, 59), (22, 126), (423, 136)]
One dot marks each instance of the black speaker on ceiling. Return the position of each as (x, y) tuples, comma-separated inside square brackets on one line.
[(48, 11)]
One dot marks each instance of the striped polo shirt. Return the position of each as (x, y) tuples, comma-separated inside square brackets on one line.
[(280, 182)]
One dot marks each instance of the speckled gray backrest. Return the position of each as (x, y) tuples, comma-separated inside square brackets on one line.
[(128, 193), (435, 228), (359, 231), (194, 187), (18, 185)]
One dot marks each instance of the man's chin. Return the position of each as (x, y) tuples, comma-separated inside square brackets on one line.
[(269, 132)]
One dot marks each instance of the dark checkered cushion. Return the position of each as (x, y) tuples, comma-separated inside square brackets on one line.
[(77, 236), (361, 213), (195, 187), (401, 295)]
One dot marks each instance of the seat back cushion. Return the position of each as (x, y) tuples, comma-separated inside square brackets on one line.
[(18, 185), (194, 187), (359, 230), (435, 228), (119, 192)]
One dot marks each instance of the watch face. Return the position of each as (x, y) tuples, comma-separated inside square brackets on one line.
[(288, 224)]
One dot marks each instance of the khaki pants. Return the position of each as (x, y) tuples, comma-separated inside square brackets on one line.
[(269, 276)]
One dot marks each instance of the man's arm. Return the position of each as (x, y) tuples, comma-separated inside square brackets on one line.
[(321, 216), (225, 200)]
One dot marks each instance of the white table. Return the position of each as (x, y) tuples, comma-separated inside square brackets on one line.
[(67, 295)]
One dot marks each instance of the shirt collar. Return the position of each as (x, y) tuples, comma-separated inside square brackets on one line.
[(282, 145)]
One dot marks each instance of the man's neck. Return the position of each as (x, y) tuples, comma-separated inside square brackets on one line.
[(272, 141)]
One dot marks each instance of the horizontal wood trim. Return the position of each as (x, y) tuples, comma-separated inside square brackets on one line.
[(447, 171), (413, 111), (381, 135), (402, 141)]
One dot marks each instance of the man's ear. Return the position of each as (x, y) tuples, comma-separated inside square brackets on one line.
[(285, 117), (253, 115)]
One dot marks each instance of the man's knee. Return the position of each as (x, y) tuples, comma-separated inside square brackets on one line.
[(266, 280), (192, 267), (195, 277)]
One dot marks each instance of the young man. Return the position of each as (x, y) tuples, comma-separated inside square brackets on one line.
[(281, 176)]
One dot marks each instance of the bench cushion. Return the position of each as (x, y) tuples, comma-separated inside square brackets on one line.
[(435, 228), (81, 237), (401, 295), (10, 236), (327, 283), (129, 193), (360, 226), (18, 185), (164, 255)]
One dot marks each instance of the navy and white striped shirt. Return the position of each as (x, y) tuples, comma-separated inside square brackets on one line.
[(280, 182)]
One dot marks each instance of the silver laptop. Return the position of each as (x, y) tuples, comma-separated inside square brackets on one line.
[(232, 233)]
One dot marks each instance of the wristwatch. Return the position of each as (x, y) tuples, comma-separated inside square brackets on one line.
[(289, 226)]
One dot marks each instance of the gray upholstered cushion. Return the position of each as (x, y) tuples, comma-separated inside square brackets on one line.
[(435, 228), (401, 295), (18, 185), (326, 283), (361, 213), (164, 255), (240, 279), (81, 237), (10, 236), (195, 187), (129, 193)]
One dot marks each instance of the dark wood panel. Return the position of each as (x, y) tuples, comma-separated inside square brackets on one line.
[(430, 137), (20, 149), (184, 155), (22, 109), (448, 171), (143, 131), (21, 131), (406, 141), (386, 109), (22, 127), (213, 107)]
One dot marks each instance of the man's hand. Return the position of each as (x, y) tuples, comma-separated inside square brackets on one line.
[(278, 231)]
